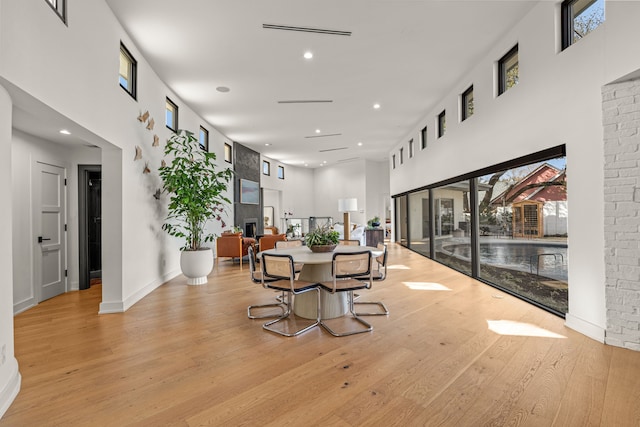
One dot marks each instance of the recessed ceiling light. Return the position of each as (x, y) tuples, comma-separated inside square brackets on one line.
[(267, 144), (376, 106), (308, 55), (306, 164), (317, 130), (223, 89), (359, 144), (65, 132)]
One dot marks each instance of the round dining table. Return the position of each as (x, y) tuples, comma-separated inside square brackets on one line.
[(317, 268)]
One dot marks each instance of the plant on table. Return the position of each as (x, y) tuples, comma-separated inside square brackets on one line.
[(323, 235)]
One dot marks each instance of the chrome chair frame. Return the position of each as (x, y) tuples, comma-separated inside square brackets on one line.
[(346, 270), (256, 277), (285, 281), (380, 274)]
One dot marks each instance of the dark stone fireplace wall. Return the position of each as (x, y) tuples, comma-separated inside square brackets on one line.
[(246, 165)]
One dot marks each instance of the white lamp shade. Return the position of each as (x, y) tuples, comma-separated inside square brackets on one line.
[(347, 205)]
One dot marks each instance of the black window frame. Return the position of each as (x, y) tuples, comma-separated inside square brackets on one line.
[(502, 70), (266, 168), (168, 103), (133, 70), (567, 19), (411, 148), (280, 172), (423, 138), (60, 8), (393, 161), (205, 132), (465, 102), (228, 153), (442, 123)]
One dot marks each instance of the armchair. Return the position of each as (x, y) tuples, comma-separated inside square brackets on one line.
[(268, 241), (233, 245)]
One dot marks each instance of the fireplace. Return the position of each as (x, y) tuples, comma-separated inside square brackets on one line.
[(250, 227)]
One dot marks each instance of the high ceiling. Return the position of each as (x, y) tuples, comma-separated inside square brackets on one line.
[(403, 55)]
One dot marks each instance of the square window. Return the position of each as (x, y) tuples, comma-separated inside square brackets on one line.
[(410, 148), (280, 172), (128, 71), (228, 153), (266, 168), (171, 115), (60, 7), (508, 71), (442, 123), (204, 139), (423, 138), (467, 103), (579, 18)]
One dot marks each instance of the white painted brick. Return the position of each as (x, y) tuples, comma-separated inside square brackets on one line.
[(616, 341), (632, 345)]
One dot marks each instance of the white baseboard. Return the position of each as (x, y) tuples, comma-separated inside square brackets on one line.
[(11, 389), (586, 328), (23, 305), (122, 306)]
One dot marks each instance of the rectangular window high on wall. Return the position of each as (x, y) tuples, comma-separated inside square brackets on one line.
[(508, 71), (128, 71), (60, 7), (171, 118), (393, 161), (266, 168), (401, 155), (411, 148), (579, 18), (280, 172), (228, 153), (204, 139), (467, 103), (423, 138), (442, 123)]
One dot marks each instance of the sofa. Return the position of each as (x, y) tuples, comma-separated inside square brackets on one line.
[(357, 233)]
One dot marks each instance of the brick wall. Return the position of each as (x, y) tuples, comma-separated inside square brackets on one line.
[(621, 120)]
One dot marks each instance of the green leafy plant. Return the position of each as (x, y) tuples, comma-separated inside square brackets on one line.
[(323, 235), (374, 222), (196, 188)]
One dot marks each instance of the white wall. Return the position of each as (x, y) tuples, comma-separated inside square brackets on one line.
[(26, 151), (9, 375), (557, 101), (80, 82)]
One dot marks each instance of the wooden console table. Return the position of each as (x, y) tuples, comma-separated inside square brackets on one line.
[(374, 236)]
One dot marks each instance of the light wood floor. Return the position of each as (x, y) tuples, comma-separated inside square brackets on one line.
[(188, 355)]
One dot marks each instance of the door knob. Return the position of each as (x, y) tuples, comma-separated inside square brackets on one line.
[(40, 239)]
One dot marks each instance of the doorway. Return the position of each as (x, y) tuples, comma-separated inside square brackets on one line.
[(90, 224)]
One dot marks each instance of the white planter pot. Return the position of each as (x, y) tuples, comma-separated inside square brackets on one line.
[(196, 265)]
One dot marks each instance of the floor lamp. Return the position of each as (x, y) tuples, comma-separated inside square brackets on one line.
[(346, 206)]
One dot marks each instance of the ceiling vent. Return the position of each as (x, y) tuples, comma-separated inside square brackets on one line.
[(305, 101), (347, 160), (332, 149), (323, 136), (306, 30)]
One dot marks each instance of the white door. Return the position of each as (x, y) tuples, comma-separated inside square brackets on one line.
[(50, 254)]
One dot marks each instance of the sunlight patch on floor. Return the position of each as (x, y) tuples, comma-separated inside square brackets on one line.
[(398, 267), (426, 286), (509, 327)]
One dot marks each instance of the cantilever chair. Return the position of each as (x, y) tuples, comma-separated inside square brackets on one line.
[(379, 274), (256, 277), (281, 244), (280, 267), (346, 270)]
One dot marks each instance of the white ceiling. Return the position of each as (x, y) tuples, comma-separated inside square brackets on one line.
[(404, 55)]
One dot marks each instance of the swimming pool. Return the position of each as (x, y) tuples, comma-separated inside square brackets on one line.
[(551, 258)]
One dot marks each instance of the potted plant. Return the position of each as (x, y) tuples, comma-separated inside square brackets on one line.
[(196, 191), (322, 239), (374, 222)]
